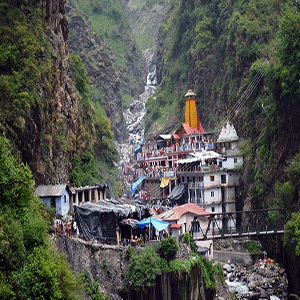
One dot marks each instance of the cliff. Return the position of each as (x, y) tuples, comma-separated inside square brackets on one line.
[(101, 35), (43, 121), (49, 122), (145, 18), (99, 69), (108, 266)]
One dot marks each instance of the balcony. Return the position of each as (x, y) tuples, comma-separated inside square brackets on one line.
[(199, 168)]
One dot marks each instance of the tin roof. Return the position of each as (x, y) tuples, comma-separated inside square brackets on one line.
[(50, 190)]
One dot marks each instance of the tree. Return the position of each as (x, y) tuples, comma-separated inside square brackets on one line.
[(167, 248), (143, 269), (291, 236)]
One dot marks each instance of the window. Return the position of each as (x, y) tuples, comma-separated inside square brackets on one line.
[(65, 196), (212, 194), (212, 178), (235, 160), (223, 178), (212, 209)]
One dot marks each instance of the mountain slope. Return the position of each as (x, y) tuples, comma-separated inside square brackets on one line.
[(216, 48), (51, 121), (100, 34)]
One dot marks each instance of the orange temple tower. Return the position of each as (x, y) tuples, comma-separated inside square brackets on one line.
[(191, 114)]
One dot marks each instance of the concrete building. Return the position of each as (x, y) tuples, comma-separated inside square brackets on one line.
[(57, 196), (63, 197)]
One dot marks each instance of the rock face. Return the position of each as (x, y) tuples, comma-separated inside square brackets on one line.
[(108, 266), (145, 20), (50, 136), (99, 69), (108, 77)]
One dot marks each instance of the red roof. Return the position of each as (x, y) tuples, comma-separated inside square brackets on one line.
[(176, 212), (188, 130), (175, 226)]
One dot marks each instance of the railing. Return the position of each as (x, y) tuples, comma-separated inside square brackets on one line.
[(243, 223), (198, 185), (199, 168)]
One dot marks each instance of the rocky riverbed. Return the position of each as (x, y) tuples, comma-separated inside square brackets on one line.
[(263, 280)]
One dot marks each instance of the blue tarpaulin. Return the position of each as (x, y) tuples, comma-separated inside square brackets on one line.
[(157, 224), (138, 148), (135, 184)]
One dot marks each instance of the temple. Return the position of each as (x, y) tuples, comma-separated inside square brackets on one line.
[(188, 166)]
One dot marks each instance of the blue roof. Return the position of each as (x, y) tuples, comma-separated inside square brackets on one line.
[(158, 224), (135, 184)]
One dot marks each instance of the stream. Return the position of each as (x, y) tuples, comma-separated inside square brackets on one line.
[(134, 117)]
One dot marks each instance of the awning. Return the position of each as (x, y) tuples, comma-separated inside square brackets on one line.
[(164, 182), (179, 194), (175, 226), (157, 224), (135, 184), (138, 148)]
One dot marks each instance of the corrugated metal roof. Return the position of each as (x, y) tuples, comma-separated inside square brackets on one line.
[(50, 190)]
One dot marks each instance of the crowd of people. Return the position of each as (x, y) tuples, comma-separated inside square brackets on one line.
[(68, 228)]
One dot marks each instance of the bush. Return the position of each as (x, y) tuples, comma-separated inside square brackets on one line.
[(252, 247), (92, 288), (188, 239), (291, 236), (167, 248), (143, 269)]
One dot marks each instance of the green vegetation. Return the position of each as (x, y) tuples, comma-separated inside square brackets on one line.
[(110, 24), (188, 239), (30, 267), (167, 248), (146, 264), (96, 160), (30, 104), (291, 237), (92, 288), (252, 247), (143, 269), (209, 47)]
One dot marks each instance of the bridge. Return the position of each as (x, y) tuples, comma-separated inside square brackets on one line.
[(240, 224)]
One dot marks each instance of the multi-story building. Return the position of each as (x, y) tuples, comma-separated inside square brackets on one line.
[(187, 157)]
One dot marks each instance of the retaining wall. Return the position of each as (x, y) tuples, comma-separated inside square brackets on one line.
[(236, 257)]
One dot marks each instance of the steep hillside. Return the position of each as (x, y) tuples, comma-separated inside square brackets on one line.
[(101, 34), (105, 84), (54, 126), (217, 48), (145, 17)]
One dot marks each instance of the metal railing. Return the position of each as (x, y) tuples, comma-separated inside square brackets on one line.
[(241, 224)]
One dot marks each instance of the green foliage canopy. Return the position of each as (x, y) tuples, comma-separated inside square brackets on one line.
[(143, 269), (30, 267), (167, 248)]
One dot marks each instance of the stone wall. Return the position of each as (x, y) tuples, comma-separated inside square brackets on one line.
[(107, 265), (236, 257)]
